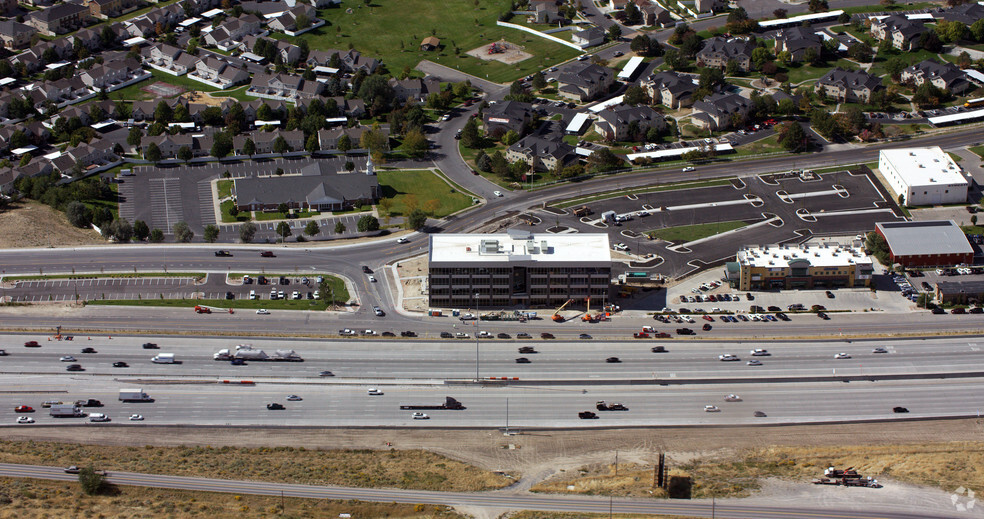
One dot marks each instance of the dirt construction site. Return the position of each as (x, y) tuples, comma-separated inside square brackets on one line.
[(501, 51)]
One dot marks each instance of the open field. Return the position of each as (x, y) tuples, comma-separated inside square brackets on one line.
[(384, 30), (978, 150), (36, 499), (695, 232), (407, 469), (409, 189), (33, 224)]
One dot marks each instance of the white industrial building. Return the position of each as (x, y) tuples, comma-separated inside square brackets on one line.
[(924, 176), (518, 268)]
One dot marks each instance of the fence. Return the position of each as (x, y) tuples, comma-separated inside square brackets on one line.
[(538, 33)]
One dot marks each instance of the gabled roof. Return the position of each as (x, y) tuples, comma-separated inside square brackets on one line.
[(722, 104), (584, 74), (677, 84), (850, 79), (58, 11), (727, 48), (533, 146), (623, 115)]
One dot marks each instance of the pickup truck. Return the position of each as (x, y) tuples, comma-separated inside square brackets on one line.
[(347, 332)]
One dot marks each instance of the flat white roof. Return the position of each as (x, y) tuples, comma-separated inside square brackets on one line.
[(605, 104), (630, 67), (325, 70), (577, 123), (797, 20), (259, 123), (182, 125), (103, 124), (26, 149), (190, 22), (924, 166), (7, 80), (212, 14), (60, 64), (975, 75), (520, 247), (134, 41), (252, 57), (675, 152), (925, 237), (825, 254), (959, 116), (336, 120)]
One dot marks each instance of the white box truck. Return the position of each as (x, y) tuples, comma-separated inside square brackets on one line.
[(66, 410), (134, 395), (163, 358)]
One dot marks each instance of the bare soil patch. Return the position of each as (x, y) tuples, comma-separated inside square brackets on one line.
[(205, 98), (33, 224), (511, 53)]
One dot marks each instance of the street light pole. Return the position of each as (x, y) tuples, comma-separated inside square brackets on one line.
[(476, 340)]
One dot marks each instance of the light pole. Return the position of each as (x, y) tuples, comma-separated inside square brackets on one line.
[(476, 340)]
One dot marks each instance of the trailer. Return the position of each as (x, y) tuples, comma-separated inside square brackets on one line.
[(449, 403), (247, 353), (134, 395), (66, 411), (163, 358)]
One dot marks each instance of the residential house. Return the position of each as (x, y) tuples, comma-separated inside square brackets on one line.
[(584, 81), (144, 110), (617, 5), (507, 115), (430, 43), (111, 74), (7, 6), (417, 89), (218, 73), (653, 15), (283, 86), (671, 89), (965, 13), (141, 27), (328, 139), (229, 34), (15, 35), (58, 19), (541, 154), (61, 90), (618, 123), (718, 51), (322, 185), (170, 59), (7, 178), (348, 61), (105, 9), (716, 111), (88, 38), (796, 40), (848, 85), (901, 31), (287, 22), (264, 140), (289, 54), (945, 76), (588, 37), (199, 145), (545, 12), (703, 6)]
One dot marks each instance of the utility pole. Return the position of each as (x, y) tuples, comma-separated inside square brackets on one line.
[(616, 462)]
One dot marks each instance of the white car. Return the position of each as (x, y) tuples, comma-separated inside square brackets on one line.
[(726, 357), (375, 392), (98, 417), (754, 362), (732, 398), (446, 117), (136, 417), (263, 311), (711, 409), (688, 169), (621, 247), (842, 356), (420, 416), (25, 419), (403, 239), (461, 335), (295, 295), (68, 358), (294, 398), (372, 279), (759, 352), (497, 193)]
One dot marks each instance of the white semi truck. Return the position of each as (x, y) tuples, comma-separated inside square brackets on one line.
[(134, 395), (257, 355)]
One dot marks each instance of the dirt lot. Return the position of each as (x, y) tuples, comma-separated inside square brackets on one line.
[(31, 224), (203, 97), (511, 54)]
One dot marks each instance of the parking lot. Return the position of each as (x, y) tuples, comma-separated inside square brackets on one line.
[(772, 209)]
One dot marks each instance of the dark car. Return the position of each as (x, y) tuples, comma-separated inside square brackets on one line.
[(527, 349), (32, 344), (830, 295), (275, 406), (939, 310), (587, 415), (706, 327), (230, 295), (749, 296), (92, 402), (120, 365), (150, 346), (237, 362), (89, 350), (504, 336), (658, 349), (898, 409), (74, 367), (366, 270), (958, 310), (522, 360), (389, 334), (823, 316), (685, 331), (222, 253), (446, 335), (408, 333), (976, 310), (926, 286), (759, 414), (523, 335), (613, 360), (546, 335), (782, 316), (267, 254), (775, 309)]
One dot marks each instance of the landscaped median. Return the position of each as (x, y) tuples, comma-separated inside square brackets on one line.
[(118, 275), (571, 202)]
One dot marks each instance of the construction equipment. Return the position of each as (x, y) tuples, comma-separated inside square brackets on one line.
[(583, 211), (587, 317), (557, 318), (202, 309)]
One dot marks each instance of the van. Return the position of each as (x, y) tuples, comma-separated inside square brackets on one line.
[(98, 417), (163, 358)]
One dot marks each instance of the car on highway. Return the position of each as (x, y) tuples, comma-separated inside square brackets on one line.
[(25, 419), (150, 346), (706, 327), (32, 344), (408, 333), (584, 336), (842, 355), (587, 415), (446, 335), (262, 311), (347, 332), (267, 254), (732, 398), (366, 270), (522, 360), (89, 350), (237, 362), (613, 360), (23, 409), (378, 311), (899, 409), (711, 409), (503, 335), (759, 352), (754, 362), (523, 335), (49, 403), (294, 398), (374, 392), (758, 414), (275, 406), (527, 349), (326, 373), (74, 367), (420, 416), (71, 470), (727, 357), (222, 253), (830, 295), (546, 335), (136, 417), (372, 279), (98, 417), (461, 335), (688, 169), (879, 350), (658, 349), (685, 331), (389, 334), (403, 239), (3, 353)]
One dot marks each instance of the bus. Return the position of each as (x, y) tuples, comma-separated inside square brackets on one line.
[(974, 103), (637, 274)]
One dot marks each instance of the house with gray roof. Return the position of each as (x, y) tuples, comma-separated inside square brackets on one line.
[(321, 185), (718, 51), (584, 81), (796, 40), (965, 13), (588, 37), (15, 35), (716, 111), (901, 31), (671, 89), (58, 19), (618, 123), (848, 85), (507, 115), (541, 154), (945, 76)]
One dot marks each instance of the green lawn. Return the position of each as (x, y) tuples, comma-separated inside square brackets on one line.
[(800, 72), (276, 215), (876, 8), (767, 145), (392, 31), (954, 156), (112, 203), (979, 150), (224, 188), (695, 232), (227, 217), (134, 92), (420, 188)]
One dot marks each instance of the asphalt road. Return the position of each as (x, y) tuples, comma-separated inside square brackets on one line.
[(497, 500)]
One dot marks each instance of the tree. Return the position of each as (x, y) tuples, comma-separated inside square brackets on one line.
[(977, 30), (247, 231), (604, 160), (156, 235), (633, 16), (760, 55), (249, 147), (184, 153), (183, 233), (221, 145), (930, 41), (780, 13), (91, 481), (614, 32), (417, 219), (78, 214), (283, 208), (817, 6), (302, 22), (280, 145), (368, 223), (120, 230), (636, 95), (283, 230), (951, 31), (312, 228), (339, 227), (414, 143), (163, 113), (140, 230), (792, 137), (861, 51), (470, 137), (510, 137), (153, 152), (211, 233), (539, 82), (811, 56), (344, 142), (674, 60)]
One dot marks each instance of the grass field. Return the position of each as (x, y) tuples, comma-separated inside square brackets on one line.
[(224, 187), (767, 145), (392, 31), (275, 215), (802, 72), (38, 499), (909, 58), (939, 465), (695, 232), (407, 189), (979, 150), (134, 92), (227, 217)]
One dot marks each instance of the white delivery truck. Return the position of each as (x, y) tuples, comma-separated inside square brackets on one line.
[(163, 358), (66, 410), (134, 395)]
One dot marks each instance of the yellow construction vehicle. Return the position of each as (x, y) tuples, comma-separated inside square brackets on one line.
[(557, 318)]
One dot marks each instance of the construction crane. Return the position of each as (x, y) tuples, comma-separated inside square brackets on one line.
[(557, 318)]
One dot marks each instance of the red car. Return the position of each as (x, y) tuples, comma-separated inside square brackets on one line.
[(267, 254), (32, 344), (24, 409)]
